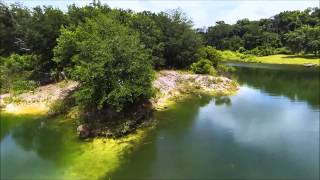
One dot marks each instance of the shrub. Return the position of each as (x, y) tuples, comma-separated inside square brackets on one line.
[(230, 55), (20, 86), (203, 66), (225, 70), (109, 62), (16, 64), (16, 71), (211, 54), (241, 50), (282, 50)]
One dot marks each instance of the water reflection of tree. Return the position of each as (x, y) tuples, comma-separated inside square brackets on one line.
[(222, 100), (296, 84), (174, 123), (7, 122), (41, 138)]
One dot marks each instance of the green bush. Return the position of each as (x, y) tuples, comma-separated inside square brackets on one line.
[(203, 66), (211, 54), (16, 71), (231, 55), (225, 70), (20, 86), (109, 62), (267, 51), (16, 64), (241, 50), (282, 50)]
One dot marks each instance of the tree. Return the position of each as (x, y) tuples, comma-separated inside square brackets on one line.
[(108, 61), (304, 39), (203, 66), (180, 41), (150, 35), (217, 33), (312, 39), (210, 54)]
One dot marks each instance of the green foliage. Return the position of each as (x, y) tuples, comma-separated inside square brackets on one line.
[(306, 39), (180, 41), (108, 61), (231, 55), (225, 70), (209, 53), (203, 66), (17, 64), (25, 31), (151, 35), (297, 30), (16, 71), (282, 50), (20, 86)]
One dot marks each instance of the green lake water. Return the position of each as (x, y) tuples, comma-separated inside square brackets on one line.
[(269, 129)]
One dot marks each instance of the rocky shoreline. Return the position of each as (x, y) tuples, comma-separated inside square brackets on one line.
[(178, 84)]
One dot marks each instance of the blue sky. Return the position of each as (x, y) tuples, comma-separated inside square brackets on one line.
[(202, 12)]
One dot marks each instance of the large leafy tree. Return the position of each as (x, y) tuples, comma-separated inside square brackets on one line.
[(109, 62), (305, 39), (150, 35), (180, 41)]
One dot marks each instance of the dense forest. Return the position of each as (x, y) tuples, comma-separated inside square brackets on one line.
[(286, 32), (112, 52)]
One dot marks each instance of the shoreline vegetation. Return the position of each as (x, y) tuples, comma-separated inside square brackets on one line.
[(170, 86), (289, 59)]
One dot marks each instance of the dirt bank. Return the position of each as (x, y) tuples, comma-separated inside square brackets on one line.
[(37, 101), (178, 84)]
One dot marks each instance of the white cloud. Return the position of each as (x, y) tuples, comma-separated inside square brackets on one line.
[(203, 13)]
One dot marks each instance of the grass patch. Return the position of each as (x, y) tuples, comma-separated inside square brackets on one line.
[(272, 59), (289, 59)]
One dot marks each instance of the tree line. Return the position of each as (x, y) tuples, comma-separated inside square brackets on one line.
[(286, 32)]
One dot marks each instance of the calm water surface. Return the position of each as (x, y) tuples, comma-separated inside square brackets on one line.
[(269, 129)]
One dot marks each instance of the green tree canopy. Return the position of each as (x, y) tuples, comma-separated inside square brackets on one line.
[(108, 61)]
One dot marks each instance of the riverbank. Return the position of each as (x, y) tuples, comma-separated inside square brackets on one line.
[(290, 59), (308, 61), (37, 101), (170, 86)]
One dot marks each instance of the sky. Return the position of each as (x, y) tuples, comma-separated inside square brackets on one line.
[(203, 13)]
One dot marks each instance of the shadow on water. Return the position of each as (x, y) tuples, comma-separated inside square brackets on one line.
[(296, 83)]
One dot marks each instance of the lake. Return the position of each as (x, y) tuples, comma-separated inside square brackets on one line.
[(269, 129)]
